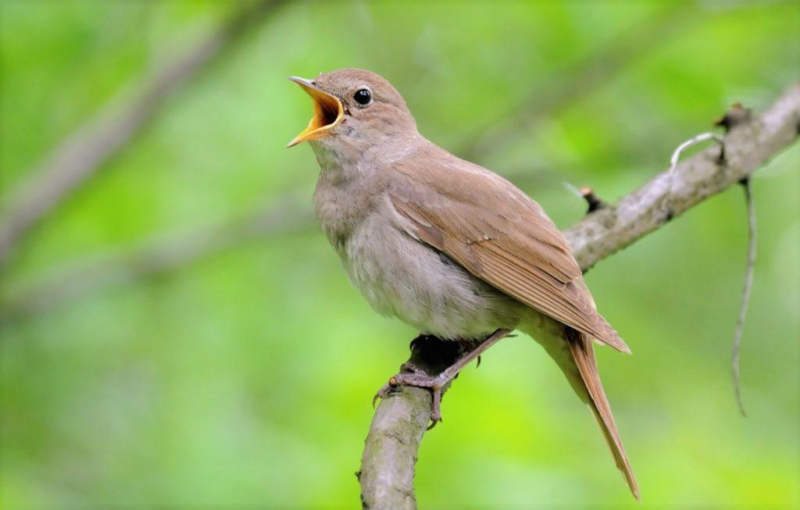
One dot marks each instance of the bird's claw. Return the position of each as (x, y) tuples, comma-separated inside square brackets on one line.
[(384, 392), (393, 385), (417, 379)]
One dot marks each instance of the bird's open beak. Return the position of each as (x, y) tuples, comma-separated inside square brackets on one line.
[(328, 112)]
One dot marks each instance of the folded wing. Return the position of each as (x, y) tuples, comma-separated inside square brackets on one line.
[(498, 234)]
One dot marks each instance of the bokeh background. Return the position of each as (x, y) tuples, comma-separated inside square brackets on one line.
[(177, 332)]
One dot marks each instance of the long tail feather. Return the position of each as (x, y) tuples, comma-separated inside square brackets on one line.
[(583, 356)]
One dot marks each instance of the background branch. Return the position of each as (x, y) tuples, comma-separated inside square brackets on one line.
[(164, 253), (586, 77), (84, 153), (401, 419), (755, 140), (161, 253)]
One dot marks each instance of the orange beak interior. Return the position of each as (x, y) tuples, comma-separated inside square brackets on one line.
[(328, 112)]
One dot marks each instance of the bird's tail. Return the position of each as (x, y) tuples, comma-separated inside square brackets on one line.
[(574, 354), (583, 357)]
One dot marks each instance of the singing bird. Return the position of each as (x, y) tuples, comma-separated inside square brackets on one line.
[(447, 246)]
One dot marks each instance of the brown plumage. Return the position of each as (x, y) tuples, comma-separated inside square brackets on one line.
[(500, 235), (583, 357), (445, 245)]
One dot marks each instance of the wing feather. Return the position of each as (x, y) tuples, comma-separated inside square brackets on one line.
[(498, 234)]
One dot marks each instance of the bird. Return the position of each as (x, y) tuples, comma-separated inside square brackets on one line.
[(446, 246)]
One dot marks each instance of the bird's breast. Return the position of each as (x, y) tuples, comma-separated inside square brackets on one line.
[(403, 278), (341, 207), (397, 274)]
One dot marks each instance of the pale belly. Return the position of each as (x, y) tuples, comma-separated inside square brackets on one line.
[(404, 278)]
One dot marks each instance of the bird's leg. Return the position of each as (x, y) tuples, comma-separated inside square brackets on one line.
[(412, 375)]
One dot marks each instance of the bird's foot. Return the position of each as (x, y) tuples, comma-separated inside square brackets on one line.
[(456, 355), (416, 378)]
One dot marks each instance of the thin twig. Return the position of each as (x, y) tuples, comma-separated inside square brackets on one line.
[(751, 250), (748, 287), (673, 162), (593, 201)]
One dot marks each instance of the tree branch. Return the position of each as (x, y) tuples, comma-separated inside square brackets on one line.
[(748, 145), (85, 152), (401, 419), (390, 450)]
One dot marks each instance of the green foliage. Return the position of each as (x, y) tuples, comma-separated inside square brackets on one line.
[(246, 378)]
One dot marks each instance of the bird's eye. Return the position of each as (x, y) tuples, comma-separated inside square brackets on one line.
[(363, 97)]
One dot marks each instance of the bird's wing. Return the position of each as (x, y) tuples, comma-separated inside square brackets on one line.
[(498, 234)]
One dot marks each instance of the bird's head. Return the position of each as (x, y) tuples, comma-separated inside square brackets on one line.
[(354, 108)]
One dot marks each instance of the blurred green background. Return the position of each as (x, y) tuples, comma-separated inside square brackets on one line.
[(243, 377)]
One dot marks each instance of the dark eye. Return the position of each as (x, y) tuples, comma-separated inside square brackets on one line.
[(363, 96)]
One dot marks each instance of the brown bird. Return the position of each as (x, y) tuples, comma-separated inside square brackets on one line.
[(445, 245)]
